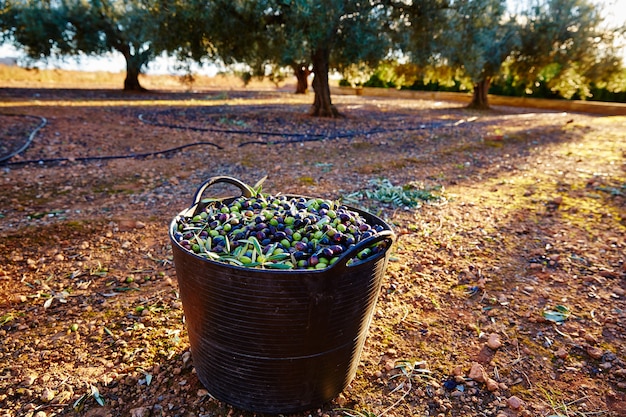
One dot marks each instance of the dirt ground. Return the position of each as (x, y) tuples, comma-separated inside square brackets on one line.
[(506, 296)]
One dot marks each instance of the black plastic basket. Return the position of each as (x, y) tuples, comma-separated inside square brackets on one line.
[(277, 341)]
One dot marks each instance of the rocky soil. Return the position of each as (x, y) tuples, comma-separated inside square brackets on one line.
[(505, 294)]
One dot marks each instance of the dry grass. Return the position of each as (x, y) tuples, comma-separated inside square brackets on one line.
[(13, 76)]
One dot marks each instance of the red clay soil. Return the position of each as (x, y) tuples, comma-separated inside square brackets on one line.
[(504, 296)]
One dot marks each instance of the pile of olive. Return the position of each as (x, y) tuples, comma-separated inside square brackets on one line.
[(282, 232)]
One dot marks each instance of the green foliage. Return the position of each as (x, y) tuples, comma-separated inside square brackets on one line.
[(565, 45), (551, 49), (508, 85), (75, 27), (384, 76), (419, 28), (408, 196), (262, 36), (481, 44), (376, 81), (473, 36), (4, 23), (603, 94), (356, 75), (37, 26), (420, 85)]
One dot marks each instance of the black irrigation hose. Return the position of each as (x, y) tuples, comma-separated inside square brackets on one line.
[(29, 140), (313, 138), (306, 137), (109, 157), (232, 131), (301, 137)]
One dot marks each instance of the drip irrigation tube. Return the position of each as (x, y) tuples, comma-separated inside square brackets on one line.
[(300, 137), (109, 157), (29, 140), (293, 137), (314, 138), (303, 137), (230, 131)]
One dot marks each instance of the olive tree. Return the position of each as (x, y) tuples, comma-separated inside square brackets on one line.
[(477, 39), (320, 36), (468, 39), (74, 27), (480, 35), (567, 45), (344, 33), (423, 31)]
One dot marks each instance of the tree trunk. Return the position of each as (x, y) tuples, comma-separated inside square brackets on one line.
[(480, 100), (302, 75), (133, 69), (131, 82), (322, 106)]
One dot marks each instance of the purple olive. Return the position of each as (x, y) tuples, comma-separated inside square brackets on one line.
[(313, 260), (315, 232)]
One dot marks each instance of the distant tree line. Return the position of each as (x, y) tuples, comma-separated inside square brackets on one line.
[(503, 85), (562, 45)]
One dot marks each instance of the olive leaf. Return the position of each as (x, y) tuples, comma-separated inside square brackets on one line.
[(96, 396), (4, 319), (278, 257), (255, 244), (256, 188), (558, 315), (277, 265), (60, 296), (79, 404)]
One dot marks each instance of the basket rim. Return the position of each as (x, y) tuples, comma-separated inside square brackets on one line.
[(193, 209)]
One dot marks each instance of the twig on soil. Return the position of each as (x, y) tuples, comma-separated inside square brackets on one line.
[(565, 335), (563, 407), (519, 356), (527, 379), (406, 314), (39, 407), (592, 313), (395, 404), (408, 371)]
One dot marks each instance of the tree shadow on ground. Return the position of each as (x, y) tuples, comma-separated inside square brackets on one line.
[(523, 231)]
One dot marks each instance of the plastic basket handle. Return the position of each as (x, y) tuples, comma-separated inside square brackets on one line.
[(342, 262), (246, 191)]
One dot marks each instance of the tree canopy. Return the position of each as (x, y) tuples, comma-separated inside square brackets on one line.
[(305, 35), (72, 27), (564, 43), (477, 38), (556, 41)]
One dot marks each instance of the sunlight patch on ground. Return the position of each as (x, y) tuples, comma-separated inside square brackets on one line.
[(539, 182), (143, 103)]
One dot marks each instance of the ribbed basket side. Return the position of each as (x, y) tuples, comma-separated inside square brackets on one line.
[(276, 386), (299, 314), (277, 341)]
